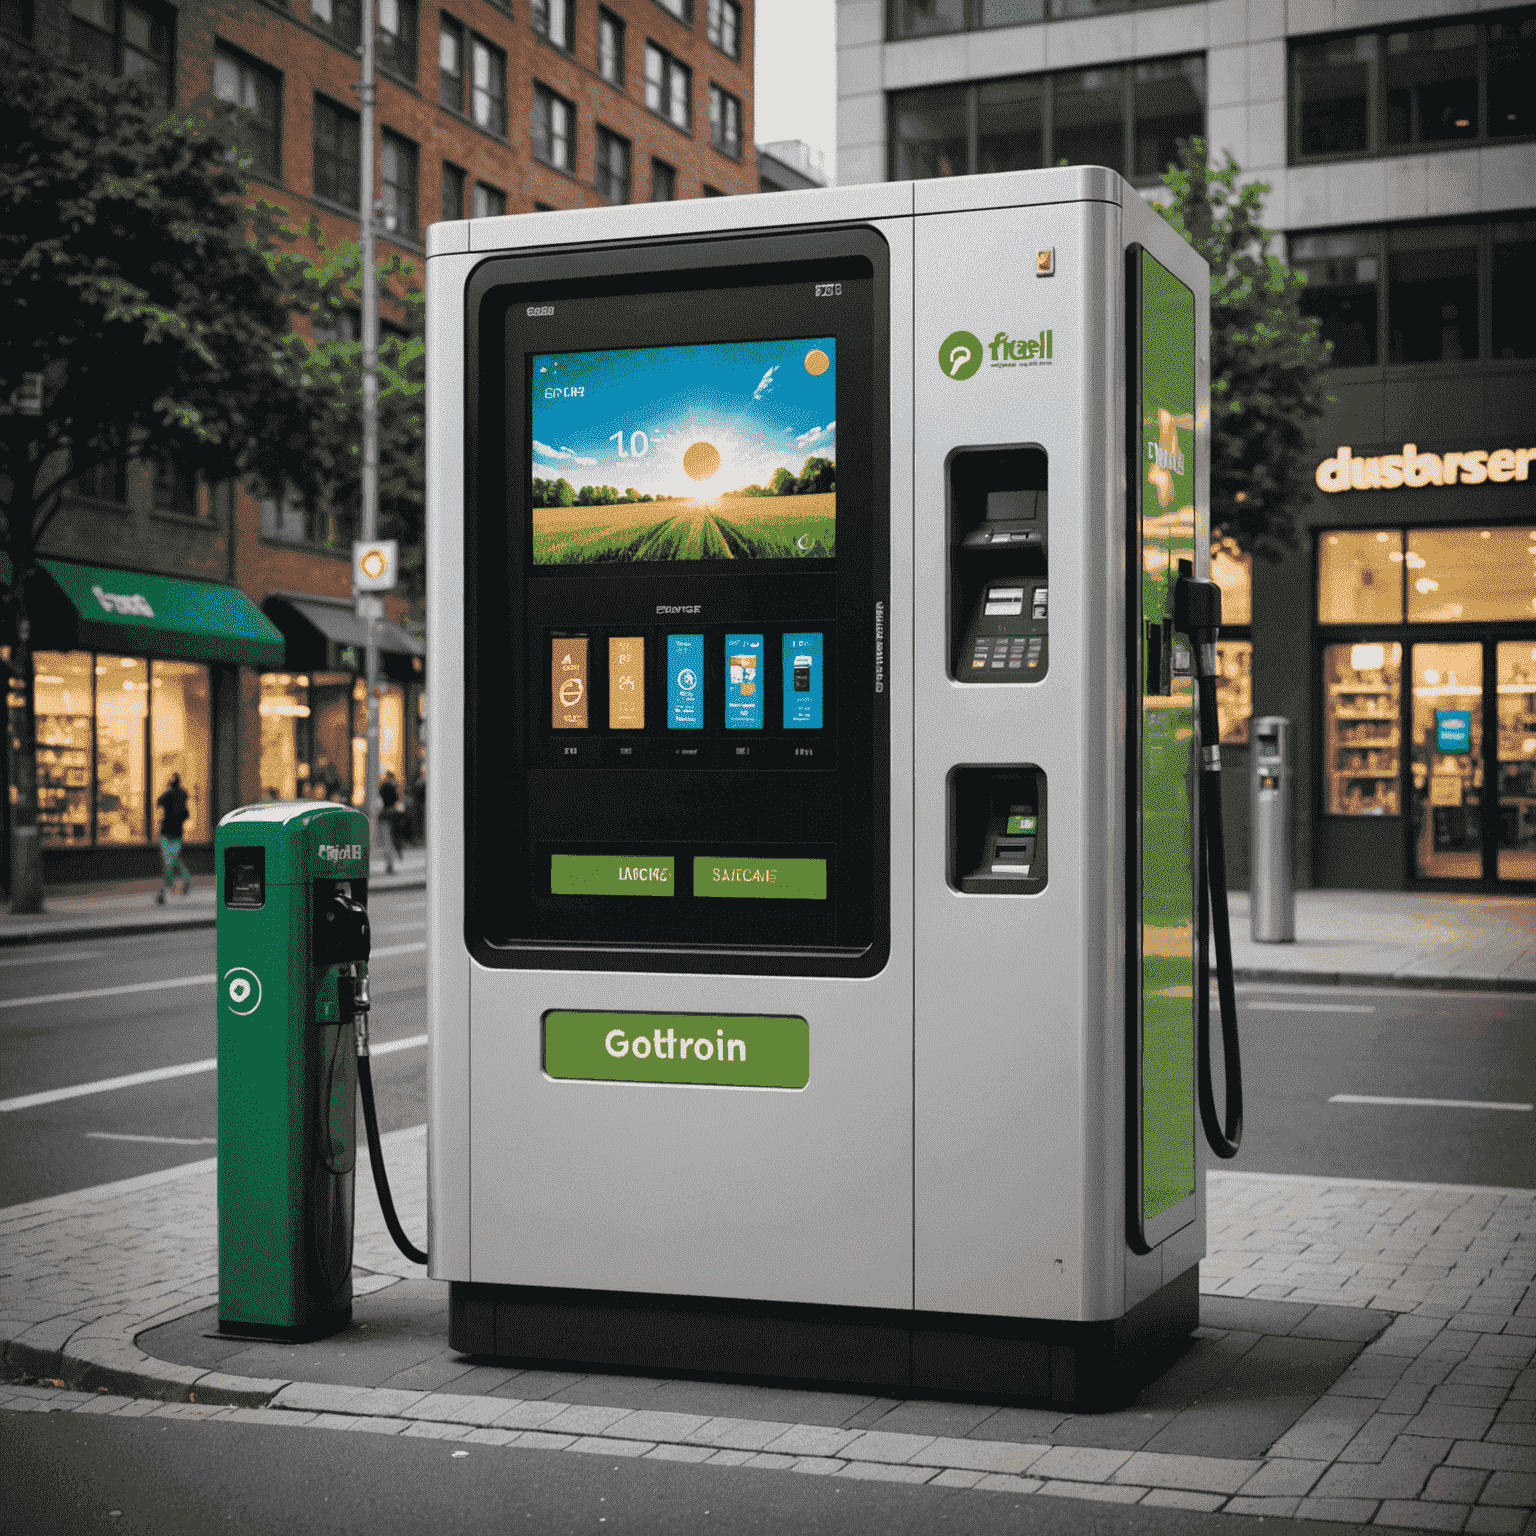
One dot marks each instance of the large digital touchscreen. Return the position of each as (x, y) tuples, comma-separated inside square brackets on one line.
[(721, 452)]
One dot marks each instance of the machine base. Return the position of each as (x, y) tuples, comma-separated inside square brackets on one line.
[(321, 1326), (1071, 1365)]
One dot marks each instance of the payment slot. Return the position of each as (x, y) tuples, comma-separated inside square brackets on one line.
[(999, 591), (997, 831)]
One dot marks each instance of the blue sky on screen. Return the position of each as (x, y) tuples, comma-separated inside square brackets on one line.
[(756, 402)]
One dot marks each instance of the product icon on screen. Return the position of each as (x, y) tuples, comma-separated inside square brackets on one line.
[(744, 674), (687, 679), (571, 691)]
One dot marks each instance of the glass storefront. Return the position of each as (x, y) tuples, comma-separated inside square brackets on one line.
[(111, 730), (1438, 644)]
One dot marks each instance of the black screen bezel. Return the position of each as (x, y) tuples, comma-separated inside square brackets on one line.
[(501, 691)]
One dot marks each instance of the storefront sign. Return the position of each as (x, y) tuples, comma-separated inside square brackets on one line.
[(1347, 472), (1445, 789), (1453, 730)]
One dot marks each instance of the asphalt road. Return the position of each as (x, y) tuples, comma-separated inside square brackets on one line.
[(69, 1473), (1301, 1046), (76, 1143)]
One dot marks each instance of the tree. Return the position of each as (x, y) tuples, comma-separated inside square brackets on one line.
[(817, 476), (147, 317), (1268, 360), (327, 287), (782, 479)]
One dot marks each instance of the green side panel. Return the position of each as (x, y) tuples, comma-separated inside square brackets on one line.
[(742, 1050), (1166, 474), (165, 615)]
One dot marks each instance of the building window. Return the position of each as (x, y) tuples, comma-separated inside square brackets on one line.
[(64, 699), (925, 18), (488, 86), (16, 19), (555, 22), (1130, 119), (450, 63), (1470, 575), (612, 178), (1421, 293), (1232, 571), (1386, 91), (175, 489), (119, 38), (337, 153), (289, 522), (663, 182), (397, 45), (122, 708), (489, 202), (254, 94), (668, 87), (103, 482), (340, 20), (1359, 576), (1362, 700), (554, 129), (610, 48), (682, 9), (725, 122), (452, 197), (1342, 272), (399, 162), (724, 25)]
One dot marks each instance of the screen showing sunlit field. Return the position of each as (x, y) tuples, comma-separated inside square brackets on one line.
[(723, 452)]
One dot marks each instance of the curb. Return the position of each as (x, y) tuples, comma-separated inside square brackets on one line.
[(1269, 977), (87, 929)]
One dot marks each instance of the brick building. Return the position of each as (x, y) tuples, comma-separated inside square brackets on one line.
[(483, 108)]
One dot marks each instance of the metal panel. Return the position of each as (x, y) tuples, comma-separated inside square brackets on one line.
[(1018, 997)]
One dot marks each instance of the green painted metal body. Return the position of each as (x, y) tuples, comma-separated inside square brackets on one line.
[(287, 1076)]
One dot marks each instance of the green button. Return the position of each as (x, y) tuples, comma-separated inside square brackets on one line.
[(1018, 825), (761, 879), (724, 1050), (611, 874)]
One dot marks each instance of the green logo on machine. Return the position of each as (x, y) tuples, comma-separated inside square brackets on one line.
[(960, 354), (726, 1050)]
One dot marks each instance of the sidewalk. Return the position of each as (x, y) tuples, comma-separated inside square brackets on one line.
[(1366, 1357), (127, 907), (1405, 938)]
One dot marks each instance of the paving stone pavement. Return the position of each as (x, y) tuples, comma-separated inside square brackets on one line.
[(1366, 1356)]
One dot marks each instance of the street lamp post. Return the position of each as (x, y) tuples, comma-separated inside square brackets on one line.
[(370, 605)]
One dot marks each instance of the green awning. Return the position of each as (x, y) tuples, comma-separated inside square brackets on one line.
[(165, 616)]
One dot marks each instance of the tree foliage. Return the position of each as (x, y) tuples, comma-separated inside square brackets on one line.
[(1268, 360), (152, 303)]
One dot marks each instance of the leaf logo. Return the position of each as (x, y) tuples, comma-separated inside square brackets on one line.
[(960, 354)]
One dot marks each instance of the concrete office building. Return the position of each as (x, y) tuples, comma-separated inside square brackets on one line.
[(485, 108), (1399, 141)]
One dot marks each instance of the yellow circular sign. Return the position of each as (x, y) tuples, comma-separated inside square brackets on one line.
[(701, 460), (571, 691), (374, 564), (817, 362)]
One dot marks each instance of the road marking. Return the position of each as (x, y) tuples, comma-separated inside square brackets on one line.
[(161, 1074), (385, 953), (138, 986), (79, 954), (107, 1084), (166, 1141), (1310, 1007), (1367, 1098)]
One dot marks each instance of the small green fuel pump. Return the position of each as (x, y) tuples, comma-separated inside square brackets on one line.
[(293, 946)]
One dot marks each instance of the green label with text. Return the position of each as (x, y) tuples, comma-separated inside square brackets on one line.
[(761, 879), (611, 874), (730, 1050)]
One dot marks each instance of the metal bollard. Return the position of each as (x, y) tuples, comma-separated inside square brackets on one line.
[(1271, 901)]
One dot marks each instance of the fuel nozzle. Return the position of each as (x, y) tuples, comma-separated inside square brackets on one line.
[(1197, 613)]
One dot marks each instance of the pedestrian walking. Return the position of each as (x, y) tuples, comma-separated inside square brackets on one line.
[(389, 812), (174, 811)]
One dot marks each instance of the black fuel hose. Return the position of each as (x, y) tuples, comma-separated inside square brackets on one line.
[(376, 1151), (1198, 615)]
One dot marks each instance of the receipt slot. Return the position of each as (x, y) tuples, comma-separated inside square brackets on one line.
[(812, 937), (1271, 901), (292, 943)]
